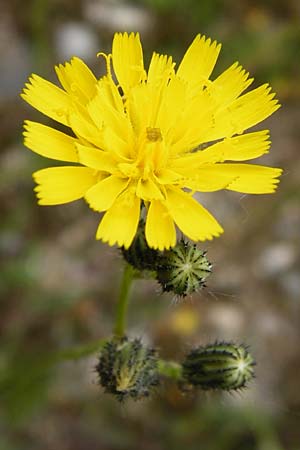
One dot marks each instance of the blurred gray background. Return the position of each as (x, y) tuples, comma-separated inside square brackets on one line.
[(58, 286)]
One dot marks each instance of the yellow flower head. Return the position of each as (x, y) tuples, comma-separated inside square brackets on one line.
[(141, 137)]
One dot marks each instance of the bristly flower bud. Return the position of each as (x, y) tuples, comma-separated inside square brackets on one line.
[(223, 365), (126, 368), (183, 269), (139, 254)]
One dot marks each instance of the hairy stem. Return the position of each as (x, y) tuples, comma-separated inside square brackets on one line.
[(170, 369), (122, 306)]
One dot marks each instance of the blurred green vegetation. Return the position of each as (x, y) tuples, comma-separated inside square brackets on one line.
[(58, 285)]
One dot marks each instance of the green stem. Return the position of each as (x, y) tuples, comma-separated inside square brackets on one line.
[(75, 353), (170, 369), (122, 306)]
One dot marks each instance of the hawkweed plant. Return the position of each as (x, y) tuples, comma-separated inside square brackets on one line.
[(141, 143)]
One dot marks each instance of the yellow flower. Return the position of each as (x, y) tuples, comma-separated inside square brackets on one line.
[(143, 139)]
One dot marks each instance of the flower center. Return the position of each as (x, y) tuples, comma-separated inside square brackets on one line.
[(150, 156), (153, 134)]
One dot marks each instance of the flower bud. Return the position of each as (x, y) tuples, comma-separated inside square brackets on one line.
[(126, 368), (139, 254), (223, 365), (183, 269)]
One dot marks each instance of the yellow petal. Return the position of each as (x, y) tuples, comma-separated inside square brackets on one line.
[(167, 176), (148, 190), (247, 178), (102, 195), (85, 128), (58, 185), (123, 150), (243, 113), (127, 56), (229, 85), (250, 178), (239, 148), (107, 96), (49, 142), (111, 119), (199, 61), (192, 127), (190, 217), (94, 108), (149, 101), (208, 179), (171, 107), (107, 112), (120, 222), (160, 69), (96, 158), (48, 99), (77, 79), (140, 107), (160, 230)]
